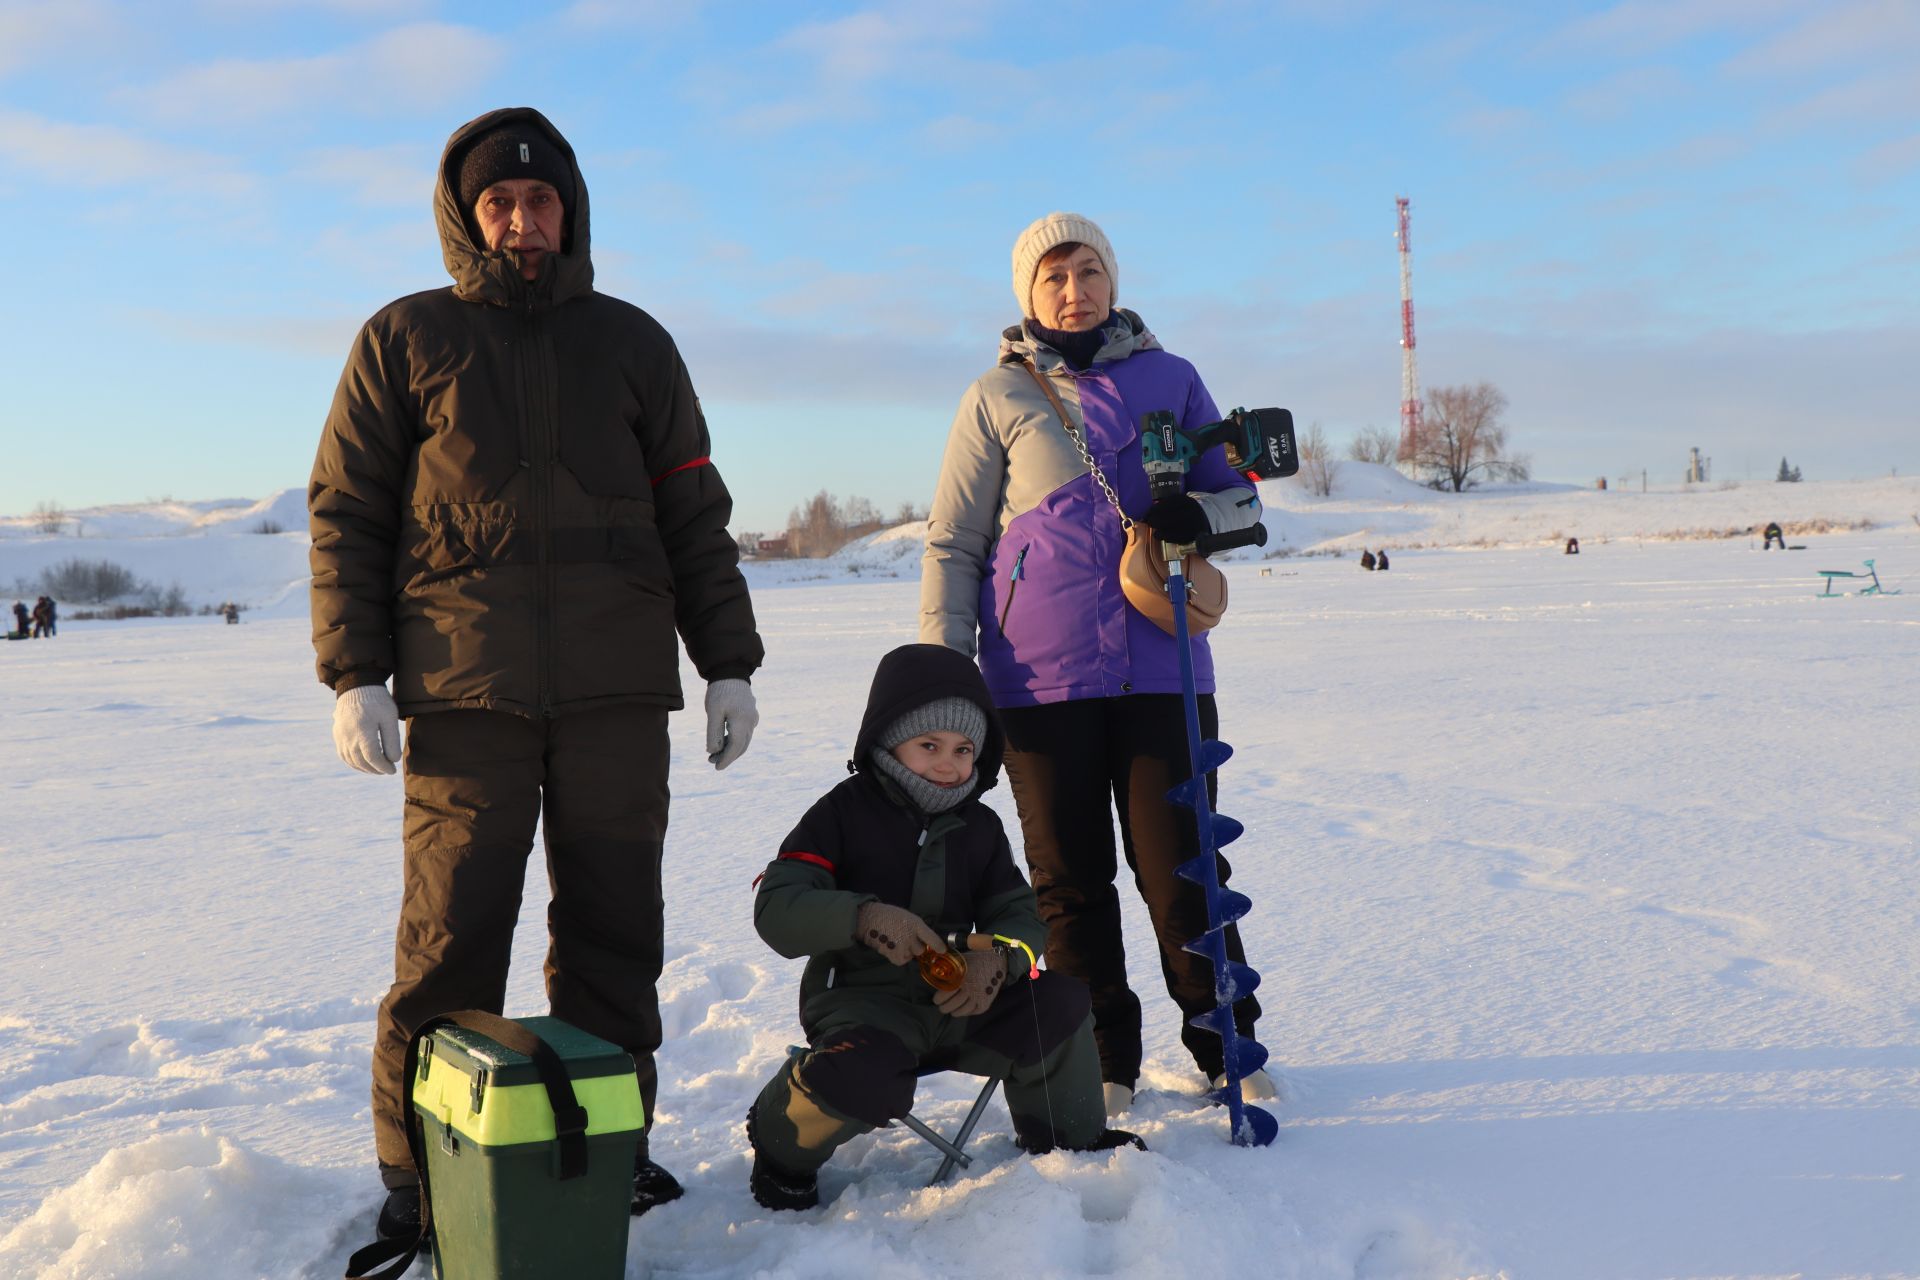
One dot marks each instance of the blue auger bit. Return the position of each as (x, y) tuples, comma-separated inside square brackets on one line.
[(1240, 1056)]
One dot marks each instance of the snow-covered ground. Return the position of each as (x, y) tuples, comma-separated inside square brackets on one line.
[(1583, 890)]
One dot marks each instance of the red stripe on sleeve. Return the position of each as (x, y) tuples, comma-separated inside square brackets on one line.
[(814, 858), (697, 462)]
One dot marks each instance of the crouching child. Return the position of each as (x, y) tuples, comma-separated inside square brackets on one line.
[(884, 867)]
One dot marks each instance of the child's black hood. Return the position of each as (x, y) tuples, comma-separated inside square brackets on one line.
[(914, 675)]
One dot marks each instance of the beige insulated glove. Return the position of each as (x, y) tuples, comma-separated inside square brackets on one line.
[(366, 729), (894, 932), (986, 974), (731, 716)]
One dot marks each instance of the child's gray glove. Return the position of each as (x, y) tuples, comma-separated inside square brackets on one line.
[(986, 974), (894, 932)]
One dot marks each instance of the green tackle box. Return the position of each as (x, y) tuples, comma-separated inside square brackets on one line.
[(501, 1210)]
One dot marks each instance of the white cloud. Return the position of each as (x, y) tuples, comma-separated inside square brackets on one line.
[(420, 65), (1840, 37), (1884, 97), (102, 156), (876, 43), (1491, 123), (327, 336), (603, 14), (391, 176), (31, 28), (960, 133), (1890, 160), (349, 8), (1628, 91), (1651, 26), (845, 63)]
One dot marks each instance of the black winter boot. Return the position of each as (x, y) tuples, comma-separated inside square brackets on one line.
[(1105, 1140), (400, 1215), (652, 1185), (774, 1187), (1110, 1139)]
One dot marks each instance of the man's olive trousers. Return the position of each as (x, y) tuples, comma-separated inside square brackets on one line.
[(477, 783)]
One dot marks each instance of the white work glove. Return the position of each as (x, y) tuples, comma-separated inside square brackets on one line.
[(366, 728), (731, 716)]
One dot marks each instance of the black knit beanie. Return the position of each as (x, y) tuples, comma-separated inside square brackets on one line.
[(512, 151)]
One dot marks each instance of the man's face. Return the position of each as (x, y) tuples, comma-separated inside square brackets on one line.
[(522, 214)]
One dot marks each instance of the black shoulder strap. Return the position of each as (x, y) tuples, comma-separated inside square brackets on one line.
[(569, 1127)]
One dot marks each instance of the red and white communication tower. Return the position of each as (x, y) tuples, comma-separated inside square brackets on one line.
[(1409, 368)]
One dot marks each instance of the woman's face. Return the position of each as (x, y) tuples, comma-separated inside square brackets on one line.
[(1071, 290)]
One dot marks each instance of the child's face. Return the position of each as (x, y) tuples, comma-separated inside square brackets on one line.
[(943, 757)]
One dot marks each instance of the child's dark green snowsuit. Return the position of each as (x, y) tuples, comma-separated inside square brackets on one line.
[(872, 1026)]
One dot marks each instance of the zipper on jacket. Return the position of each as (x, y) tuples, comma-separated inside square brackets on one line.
[(1013, 585), (533, 366)]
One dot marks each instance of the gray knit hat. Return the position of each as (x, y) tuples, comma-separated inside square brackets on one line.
[(956, 715), (1050, 233)]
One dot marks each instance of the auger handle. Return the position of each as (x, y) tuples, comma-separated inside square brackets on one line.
[(1252, 536)]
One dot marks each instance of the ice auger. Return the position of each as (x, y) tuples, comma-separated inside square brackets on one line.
[(1268, 450)]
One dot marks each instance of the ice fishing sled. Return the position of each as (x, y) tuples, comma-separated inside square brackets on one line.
[(1875, 590)]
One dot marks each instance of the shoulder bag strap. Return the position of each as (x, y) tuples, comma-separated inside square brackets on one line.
[(1093, 468)]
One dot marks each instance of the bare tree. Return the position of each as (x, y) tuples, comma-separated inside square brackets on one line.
[(908, 514), (1462, 439), (49, 517), (1318, 470), (748, 543), (824, 524), (90, 581), (815, 528), (1374, 444)]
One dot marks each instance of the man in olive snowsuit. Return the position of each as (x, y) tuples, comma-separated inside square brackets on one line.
[(513, 513), (881, 868)]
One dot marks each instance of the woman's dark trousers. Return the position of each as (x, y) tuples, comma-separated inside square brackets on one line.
[(1072, 764)]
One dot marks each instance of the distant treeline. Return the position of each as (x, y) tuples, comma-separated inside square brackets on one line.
[(824, 524), (102, 582)]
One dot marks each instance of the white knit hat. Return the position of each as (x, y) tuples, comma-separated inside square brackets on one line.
[(1049, 233)]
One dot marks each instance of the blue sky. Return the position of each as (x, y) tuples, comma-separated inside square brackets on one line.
[(1655, 224)]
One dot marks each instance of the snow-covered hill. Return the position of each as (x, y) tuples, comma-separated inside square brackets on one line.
[(227, 550)]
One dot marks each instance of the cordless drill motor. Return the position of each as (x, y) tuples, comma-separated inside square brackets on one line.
[(1259, 444)]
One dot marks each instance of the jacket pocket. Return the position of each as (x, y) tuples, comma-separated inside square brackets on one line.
[(447, 540)]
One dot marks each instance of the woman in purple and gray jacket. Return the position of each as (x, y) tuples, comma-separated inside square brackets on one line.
[(1022, 568)]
